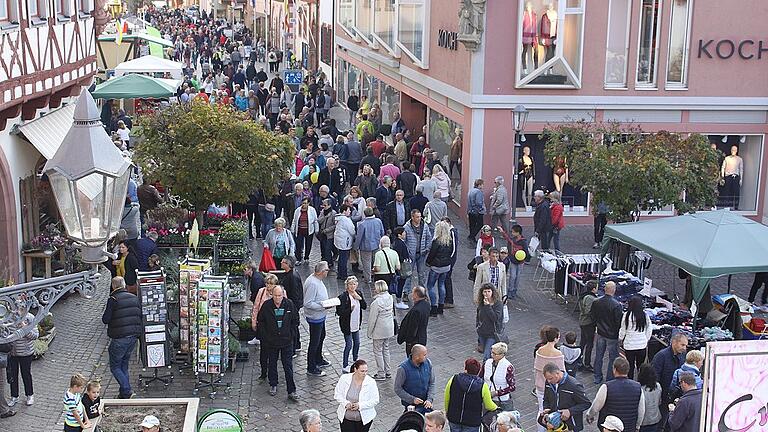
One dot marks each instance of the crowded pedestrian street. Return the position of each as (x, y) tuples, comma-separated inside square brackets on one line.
[(323, 215)]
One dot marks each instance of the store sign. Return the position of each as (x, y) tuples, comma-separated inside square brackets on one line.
[(447, 39), (724, 49), (220, 420), (735, 387)]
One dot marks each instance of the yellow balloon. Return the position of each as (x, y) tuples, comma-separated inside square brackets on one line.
[(314, 176), (520, 255)]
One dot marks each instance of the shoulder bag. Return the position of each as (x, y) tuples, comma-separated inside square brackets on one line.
[(406, 270)]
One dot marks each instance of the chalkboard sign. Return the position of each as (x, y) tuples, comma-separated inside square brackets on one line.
[(155, 344)]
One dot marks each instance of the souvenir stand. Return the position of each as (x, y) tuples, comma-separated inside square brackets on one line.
[(155, 343), (191, 270), (211, 344)]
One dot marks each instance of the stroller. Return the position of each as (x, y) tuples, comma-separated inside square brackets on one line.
[(410, 421)]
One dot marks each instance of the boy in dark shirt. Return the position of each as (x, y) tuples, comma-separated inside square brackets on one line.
[(92, 404)]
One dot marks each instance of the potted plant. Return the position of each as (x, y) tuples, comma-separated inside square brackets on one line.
[(245, 333), (47, 332)]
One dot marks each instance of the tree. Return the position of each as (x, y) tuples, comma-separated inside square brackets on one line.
[(211, 154), (633, 172)]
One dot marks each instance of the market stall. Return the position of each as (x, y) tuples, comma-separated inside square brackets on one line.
[(136, 86), (150, 65)]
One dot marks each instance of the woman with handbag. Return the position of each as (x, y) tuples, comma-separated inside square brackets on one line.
[(262, 296), (381, 328), (439, 263), (488, 320), (350, 312), (280, 241), (499, 374), (386, 263)]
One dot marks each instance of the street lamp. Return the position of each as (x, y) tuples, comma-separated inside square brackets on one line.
[(115, 8), (519, 116), (89, 179)]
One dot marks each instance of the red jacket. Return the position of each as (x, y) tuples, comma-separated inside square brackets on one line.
[(556, 213)]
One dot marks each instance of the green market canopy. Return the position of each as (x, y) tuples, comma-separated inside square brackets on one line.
[(135, 86), (706, 244)]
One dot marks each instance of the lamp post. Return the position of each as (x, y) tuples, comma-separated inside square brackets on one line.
[(519, 116), (89, 179)]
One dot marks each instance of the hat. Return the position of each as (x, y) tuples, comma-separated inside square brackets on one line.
[(150, 421), (613, 423), (503, 250)]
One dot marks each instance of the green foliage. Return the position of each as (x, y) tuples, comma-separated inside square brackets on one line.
[(233, 231), (632, 172), (211, 154)]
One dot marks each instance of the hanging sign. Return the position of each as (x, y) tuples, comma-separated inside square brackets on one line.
[(220, 420)]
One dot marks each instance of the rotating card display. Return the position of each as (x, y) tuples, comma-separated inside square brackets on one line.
[(155, 343), (190, 273), (212, 324)]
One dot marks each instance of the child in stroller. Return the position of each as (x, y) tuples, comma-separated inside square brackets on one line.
[(434, 421)]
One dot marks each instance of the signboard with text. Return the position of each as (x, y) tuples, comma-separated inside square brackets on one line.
[(735, 386)]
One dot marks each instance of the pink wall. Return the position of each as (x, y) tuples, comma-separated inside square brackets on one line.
[(711, 19)]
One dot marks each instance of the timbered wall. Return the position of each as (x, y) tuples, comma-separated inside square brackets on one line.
[(44, 57)]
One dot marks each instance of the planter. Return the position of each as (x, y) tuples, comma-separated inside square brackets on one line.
[(175, 414), (246, 334)]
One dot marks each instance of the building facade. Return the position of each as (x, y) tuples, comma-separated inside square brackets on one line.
[(687, 66), (47, 53)]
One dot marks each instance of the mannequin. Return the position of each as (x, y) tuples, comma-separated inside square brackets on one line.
[(560, 174), (548, 31), (529, 37), (527, 170), (732, 171)]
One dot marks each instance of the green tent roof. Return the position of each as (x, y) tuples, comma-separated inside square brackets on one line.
[(134, 86), (705, 244)]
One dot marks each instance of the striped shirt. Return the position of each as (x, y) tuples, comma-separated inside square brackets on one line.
[(73, 402)]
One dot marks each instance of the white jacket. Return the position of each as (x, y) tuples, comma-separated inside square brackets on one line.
[(344, 233), (633, 339), (369, 397), (311, 219)]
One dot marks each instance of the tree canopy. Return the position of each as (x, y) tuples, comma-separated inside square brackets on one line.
[(211, 154), (634, 172)]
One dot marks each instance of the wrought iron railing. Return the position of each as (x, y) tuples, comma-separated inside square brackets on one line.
[(37, 298)]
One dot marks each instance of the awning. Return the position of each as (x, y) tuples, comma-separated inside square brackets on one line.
[(132, 37), (46, 133), (135, 86)]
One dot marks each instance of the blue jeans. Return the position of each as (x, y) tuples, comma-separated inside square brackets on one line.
[(555, 236), (515, 270), (267, 220), (351, 343), (439, 279), (341, 271), (419, 275), (455, 427), (315, 349), (601, 344), (487, 343), (120, 351)]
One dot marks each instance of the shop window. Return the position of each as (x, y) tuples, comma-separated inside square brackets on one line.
[(341, 82), (413, 20), (679, 33), (551, 34), (739, 170), (617, 45), (63, 8), (347, 15), (384, 23), (373, 91), (8, 11), (390, 102), (32, 8), (86, 6), (442, 136), (364, 19), (647, 53)]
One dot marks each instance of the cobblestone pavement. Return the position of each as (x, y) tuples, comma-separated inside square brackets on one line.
[(81, 347)]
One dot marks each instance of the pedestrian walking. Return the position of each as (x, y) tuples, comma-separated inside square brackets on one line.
[(123, 319), (413, 329), (315, 313), (418, 239), (381, 328), (386, 265), (557, 218), (415, 381), (493, 272), (275, 329), (305, 225), (369, 232), (634, 333), (488, 319), (357, 395), (500, 205), (439, 263), (587, 323), (280, 241), (499, 373), (343, 239), (20, 360)]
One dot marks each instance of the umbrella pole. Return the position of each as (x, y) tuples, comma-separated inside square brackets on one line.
[(729, 283)]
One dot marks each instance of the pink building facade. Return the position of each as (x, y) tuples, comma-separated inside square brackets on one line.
[(687, 66)]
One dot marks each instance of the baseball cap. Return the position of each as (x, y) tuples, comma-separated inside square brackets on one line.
[(503, 250), (613, 423), (150, 421)]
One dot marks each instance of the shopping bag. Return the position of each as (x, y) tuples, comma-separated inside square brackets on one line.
[(533, 244), (267, 263)]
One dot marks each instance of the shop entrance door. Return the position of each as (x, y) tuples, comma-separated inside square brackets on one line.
[(415, 115)]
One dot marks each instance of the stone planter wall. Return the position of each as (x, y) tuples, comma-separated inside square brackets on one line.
[(191, 404)]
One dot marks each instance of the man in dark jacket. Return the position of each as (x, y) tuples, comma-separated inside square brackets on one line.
[(145, 247), (277, 322), (277, 84), (294, 290), (566, 395), (407, 180), (587, 323), (413, 328), (665, 363), (622, 398), (542, 218), (418, 201), (687, 414), (123, 319), (607, 312), (261, 76), (396, 212), (250, 73), (415, 380), (255, 279)]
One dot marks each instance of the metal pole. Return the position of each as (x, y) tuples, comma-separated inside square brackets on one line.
[(516, 155)]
